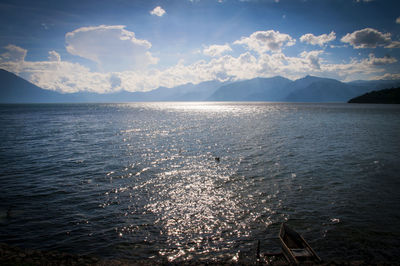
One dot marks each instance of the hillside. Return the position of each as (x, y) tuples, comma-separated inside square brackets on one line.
[(388, 96), (279, 89), (315, 89), (14, 89)]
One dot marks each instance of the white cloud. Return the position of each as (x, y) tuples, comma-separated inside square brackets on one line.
[(54, 74), (394, 44), (12, 58), (318, 40), (13, 53), (362, 69), (158, 11), (54, 56), (370, 38), (381, 61), (68, 77), (45, 26), (338, 46), (263, 41), (112, 47), (217, 50), (388, 76), (313, 58)]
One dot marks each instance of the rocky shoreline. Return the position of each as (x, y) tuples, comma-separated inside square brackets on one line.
[(10, 255)]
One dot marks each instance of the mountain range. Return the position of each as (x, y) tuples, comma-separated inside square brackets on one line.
[(14, 89)]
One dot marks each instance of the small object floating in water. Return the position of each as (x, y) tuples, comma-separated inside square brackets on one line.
[(217, 159), (9, 212), (295, 248)]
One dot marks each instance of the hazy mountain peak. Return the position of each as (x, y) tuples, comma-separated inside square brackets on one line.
[(314, 78)]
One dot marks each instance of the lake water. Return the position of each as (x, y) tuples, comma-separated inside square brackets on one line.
[(141, 180)]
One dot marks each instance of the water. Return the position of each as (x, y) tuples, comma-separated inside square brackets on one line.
[(140, 181)]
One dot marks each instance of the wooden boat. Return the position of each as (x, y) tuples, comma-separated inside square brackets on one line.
[(295, 248)]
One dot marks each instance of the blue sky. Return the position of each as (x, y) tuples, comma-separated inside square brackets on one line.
[(106, 46)]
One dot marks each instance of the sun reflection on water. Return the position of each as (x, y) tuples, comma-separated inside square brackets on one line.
[(202, 107), (194, 210), (176, 196)]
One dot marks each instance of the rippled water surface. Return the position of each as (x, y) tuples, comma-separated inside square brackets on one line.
[(142, 181)]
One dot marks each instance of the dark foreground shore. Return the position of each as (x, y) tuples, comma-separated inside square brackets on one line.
[(18, 256)]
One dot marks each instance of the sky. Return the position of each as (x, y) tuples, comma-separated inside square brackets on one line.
[(111, 45)]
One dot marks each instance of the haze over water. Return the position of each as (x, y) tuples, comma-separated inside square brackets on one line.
[(141, 181)]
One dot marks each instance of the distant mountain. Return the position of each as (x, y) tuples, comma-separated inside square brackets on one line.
[(315, 89), (307, 81), (258, 89), (307, 89), (390, 96), (14, 89), (376, 84), (186, 92)]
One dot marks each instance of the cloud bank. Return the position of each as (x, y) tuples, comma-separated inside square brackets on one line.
[(217, 50), (13, 53), (370, 38), (124, 61), (264, 41), (320, 40), (387, 59)]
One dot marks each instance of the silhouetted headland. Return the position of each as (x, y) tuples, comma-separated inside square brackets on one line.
[(389, 96)]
